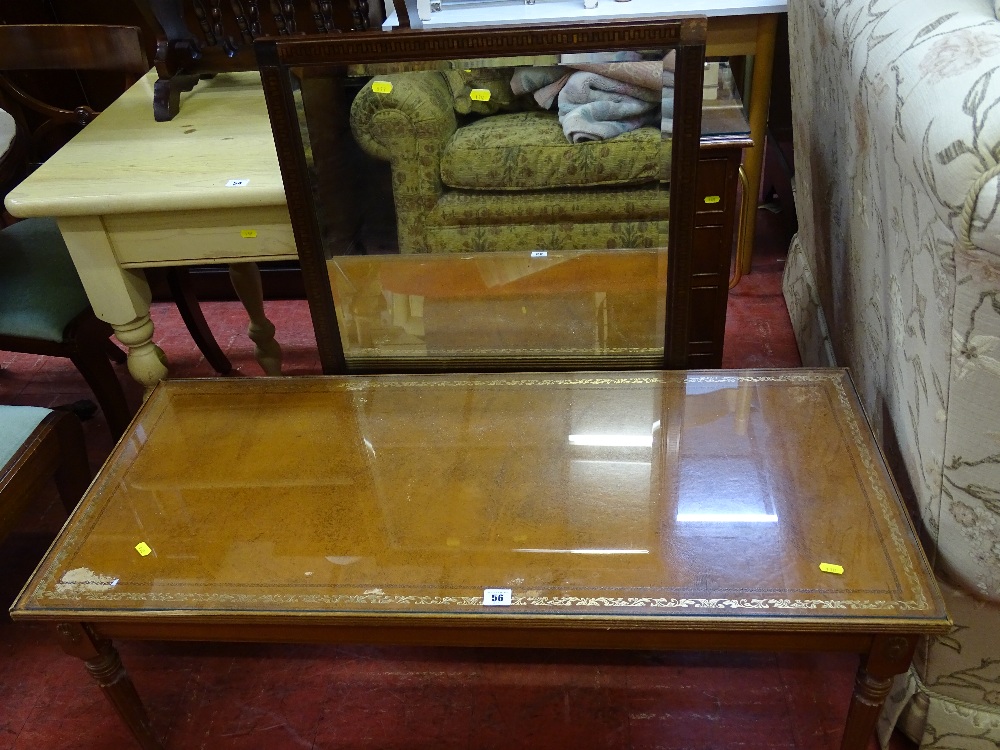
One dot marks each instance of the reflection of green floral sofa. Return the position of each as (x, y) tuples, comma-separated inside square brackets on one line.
[(896, 273), (508, 180)]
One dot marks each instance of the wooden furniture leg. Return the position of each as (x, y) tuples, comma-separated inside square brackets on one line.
[(119, 296), (167, 95), (179, 281), (91, 359), (147, 363), (114, 353), (105, 666), (760, 98), (246, 282), (888, 656), (72, 475)]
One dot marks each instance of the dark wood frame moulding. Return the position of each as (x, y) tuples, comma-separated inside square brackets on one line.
[(276, 55)]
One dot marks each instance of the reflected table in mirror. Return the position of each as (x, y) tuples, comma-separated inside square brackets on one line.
[(746, 510)]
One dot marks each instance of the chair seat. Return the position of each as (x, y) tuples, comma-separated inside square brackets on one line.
[(16, 424), (528, 151), (40, 290)]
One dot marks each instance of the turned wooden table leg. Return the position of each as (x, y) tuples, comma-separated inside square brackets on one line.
[(105, 666), (889, 656), (146, 362), (246, 282), (119, 296)]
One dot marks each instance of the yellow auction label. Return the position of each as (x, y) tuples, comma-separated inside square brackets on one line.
[(381, 87), (248, 234), (480, 95), (712, 198), (143, 549), (831, 568)]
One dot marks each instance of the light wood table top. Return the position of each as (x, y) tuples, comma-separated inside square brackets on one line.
[(124, 162)]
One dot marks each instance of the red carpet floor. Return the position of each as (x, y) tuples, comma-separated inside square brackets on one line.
[(253, 696)]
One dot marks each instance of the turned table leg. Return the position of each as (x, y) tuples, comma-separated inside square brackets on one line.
[(119, 296), (246, 282), (889, 656), (105, 666), (147, 364)]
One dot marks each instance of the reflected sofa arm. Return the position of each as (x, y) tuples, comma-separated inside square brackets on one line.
[(408, 127)]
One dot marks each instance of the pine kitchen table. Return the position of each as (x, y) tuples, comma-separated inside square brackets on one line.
[(130, 193)]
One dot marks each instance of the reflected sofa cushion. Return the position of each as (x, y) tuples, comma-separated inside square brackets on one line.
[(528, 151)]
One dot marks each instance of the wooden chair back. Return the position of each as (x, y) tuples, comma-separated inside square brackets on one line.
[(72, 47), (63, 47), (195, 38)]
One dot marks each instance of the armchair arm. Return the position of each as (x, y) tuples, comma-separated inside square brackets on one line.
[(920, 79), (407, 127), (897, 146)]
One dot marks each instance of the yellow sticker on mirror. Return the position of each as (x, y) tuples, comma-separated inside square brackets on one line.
[(480, 95), (832, 568), (143, 549), (248, 234), (712, 198), (381, 87)]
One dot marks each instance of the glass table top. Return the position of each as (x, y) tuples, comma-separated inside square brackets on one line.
[(664, 495)]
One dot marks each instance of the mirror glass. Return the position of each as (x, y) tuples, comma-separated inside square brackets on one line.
[(485, 211)]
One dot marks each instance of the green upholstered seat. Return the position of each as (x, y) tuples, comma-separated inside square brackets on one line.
[(528, 151), (16, 424), (40, 291)]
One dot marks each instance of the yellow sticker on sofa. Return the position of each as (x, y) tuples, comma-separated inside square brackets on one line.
[(381, 87), (480, 95)]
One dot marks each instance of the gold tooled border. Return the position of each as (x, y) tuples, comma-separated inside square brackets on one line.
[(45, 590)]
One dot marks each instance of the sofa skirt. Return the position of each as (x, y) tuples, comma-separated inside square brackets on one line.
[(950, 698)]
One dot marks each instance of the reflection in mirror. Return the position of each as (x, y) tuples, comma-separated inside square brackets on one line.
[(497, 210)]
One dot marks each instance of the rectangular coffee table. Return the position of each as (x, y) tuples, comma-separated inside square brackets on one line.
[(740, 510)]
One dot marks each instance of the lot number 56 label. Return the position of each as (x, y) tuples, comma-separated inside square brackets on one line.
[(496, 597)]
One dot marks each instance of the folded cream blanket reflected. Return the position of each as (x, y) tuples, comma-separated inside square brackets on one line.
[(597, 101), (593, 107)]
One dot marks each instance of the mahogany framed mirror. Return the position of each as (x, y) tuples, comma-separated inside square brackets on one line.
[(508, 198)]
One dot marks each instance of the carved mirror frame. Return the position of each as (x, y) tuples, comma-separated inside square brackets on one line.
[(276, 58)]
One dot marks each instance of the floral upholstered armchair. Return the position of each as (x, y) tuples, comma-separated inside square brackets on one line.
[(472, 176), (895, 273)]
